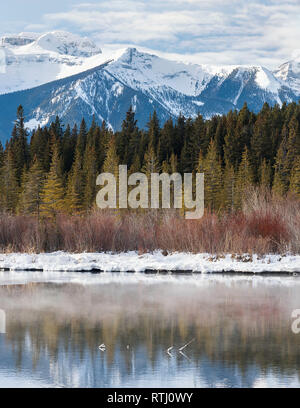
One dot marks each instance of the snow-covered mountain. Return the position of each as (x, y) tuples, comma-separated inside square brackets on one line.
[(290, 73), (31, 60), (61, 74), (168, 81)]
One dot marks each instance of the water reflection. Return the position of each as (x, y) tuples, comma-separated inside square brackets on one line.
[(241, 330)]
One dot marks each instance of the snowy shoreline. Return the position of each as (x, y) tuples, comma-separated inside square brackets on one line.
[(150, 263)]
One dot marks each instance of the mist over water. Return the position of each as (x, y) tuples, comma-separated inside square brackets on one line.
[(239, 329)]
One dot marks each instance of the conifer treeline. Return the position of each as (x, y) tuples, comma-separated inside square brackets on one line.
[(56, 170)]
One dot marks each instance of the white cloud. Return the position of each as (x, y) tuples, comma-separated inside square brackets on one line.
[(219, 31)]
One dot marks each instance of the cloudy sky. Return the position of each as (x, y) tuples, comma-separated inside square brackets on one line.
[(205, 31)]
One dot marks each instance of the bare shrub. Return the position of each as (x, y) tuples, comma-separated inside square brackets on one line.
[(267, 224)]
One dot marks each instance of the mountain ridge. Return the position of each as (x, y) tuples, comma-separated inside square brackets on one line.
[(105, 84)]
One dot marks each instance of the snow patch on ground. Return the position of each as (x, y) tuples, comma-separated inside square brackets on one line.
[(133, 262)]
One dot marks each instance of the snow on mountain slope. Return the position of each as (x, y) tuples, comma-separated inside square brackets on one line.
[(289, 72), (145, 71), (93, 92), (61, 74), (165, 80), (66, 44), (32, 60)]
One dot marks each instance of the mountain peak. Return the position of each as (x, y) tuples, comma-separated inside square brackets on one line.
[(65, 43), (60, 42), (290, 72)]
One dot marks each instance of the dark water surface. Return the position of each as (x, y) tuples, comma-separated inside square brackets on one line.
[(239, 330)]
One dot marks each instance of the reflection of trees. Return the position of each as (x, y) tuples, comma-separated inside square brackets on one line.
[(228, 328)]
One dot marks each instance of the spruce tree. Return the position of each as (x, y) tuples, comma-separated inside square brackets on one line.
[(74, 200), (281, 180), (39, 147), (151, 164), (265, 174), (165, 145), (90, 175), (68, 148), (154, 130), (295, 177), (19, 144), (245, 178), (232, 152), (111, 162), (1, 155), (127, 134), (75, 186), (228, 196), (31, 197), (136, 166), (213, 178), (261, 142), (53, 191), (9, 186), (196, 140), (173, 163)]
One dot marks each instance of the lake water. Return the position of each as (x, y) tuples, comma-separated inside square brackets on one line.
[(238, 331)]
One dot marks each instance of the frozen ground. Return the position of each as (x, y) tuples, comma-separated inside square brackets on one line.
[(133, 262)]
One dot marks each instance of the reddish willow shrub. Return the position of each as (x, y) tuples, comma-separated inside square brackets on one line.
[(265, 225)]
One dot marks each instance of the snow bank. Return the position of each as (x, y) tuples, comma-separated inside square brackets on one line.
[(133, 262)]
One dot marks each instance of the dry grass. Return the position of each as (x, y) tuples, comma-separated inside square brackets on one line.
[(267, 224)]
